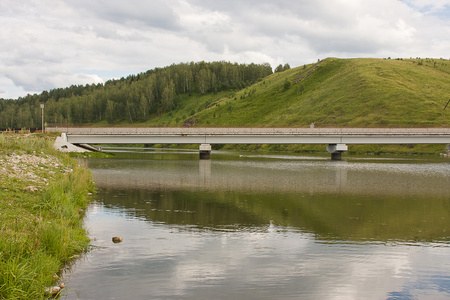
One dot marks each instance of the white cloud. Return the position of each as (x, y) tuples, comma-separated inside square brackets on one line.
[(47, 77), (49, 44)]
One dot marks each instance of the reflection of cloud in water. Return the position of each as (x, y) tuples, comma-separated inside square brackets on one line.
[(276, 263)]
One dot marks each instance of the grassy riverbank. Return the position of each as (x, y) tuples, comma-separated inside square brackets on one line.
[(375, 149), (403, 150), (43, 194)]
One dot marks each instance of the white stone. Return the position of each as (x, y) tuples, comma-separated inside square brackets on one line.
[(52, 290)]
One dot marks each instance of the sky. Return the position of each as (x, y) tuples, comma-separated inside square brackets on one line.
[(47, 44)]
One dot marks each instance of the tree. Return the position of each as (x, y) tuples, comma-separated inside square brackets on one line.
[(287, 84), (143, 105), (167, 99), (203, 80), (130, 110), (109, 113), (279, 68)]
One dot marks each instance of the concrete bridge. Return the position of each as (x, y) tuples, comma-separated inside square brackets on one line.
[(336, 139)]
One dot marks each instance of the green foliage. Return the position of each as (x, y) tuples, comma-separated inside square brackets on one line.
[(287, 84), (40, 230), (279, 68), (137, 98)]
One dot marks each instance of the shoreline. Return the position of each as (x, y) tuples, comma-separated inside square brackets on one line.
[(44, 194)]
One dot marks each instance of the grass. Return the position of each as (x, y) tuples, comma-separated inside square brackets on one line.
[(41, 230), (401, 149)]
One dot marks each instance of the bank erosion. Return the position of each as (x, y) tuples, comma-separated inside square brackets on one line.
[(43, 196)]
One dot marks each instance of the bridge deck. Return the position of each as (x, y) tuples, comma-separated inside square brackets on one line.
[(195, 135)]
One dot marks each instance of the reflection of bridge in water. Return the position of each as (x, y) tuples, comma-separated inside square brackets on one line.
[(336, 139), (299, 177)]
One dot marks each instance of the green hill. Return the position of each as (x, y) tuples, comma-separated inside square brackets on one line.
[(332, 92)]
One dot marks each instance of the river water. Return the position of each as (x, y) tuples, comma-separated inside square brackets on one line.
[(244, 226)]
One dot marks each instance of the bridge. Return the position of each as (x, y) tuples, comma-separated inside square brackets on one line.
[(336, 139)]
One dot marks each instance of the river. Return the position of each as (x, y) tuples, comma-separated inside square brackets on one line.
[(255, 226)]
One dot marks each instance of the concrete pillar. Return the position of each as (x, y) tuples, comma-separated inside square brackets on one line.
[(205, 151), (336, 150), (336, 156)]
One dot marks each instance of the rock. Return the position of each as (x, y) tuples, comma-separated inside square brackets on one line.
[(52, 290), (117, 239), (30, 188)]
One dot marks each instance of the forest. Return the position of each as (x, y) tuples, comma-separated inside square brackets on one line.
[(136, 98)]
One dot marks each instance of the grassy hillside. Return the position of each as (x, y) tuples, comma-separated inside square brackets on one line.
[(332, 92)]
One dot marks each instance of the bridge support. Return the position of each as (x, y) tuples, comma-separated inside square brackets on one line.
[(205, 151), (63, 145), (336, 150)]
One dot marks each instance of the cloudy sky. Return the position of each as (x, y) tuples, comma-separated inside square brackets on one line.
[(46, 44)]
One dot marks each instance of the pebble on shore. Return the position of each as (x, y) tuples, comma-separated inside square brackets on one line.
[(117, 239), (30, 188), (53, 290)]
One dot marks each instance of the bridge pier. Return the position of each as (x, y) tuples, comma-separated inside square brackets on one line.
[(336, 150), (205, 151)]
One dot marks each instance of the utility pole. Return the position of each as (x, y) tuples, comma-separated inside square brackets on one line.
[(42, 107)]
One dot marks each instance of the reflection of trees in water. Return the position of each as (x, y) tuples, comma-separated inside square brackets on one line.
[(329, 216), (336, 200)]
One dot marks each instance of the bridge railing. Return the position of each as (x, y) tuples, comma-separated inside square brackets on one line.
[(247, 131)]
